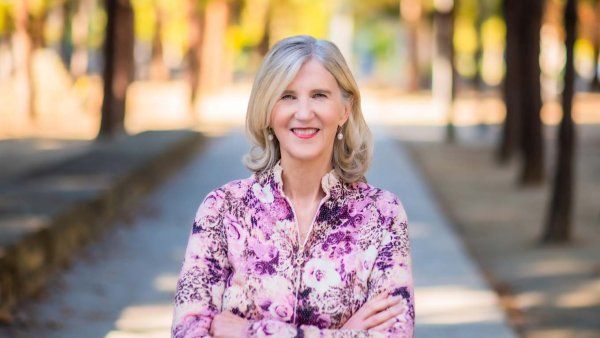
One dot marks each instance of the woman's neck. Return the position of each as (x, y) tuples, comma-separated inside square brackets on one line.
[(302, 180)]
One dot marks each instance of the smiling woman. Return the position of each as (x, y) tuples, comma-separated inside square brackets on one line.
[(308, 114), (304, 247)]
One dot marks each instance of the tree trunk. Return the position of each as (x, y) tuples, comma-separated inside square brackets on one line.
[(446, 80), (194, 52), (481, 16), (509, 136), (158, 69), (559, 222), (24, 58), (81, 20), (264, 44), (411, 11), (595, 84), (213, 66), (532, 145), (118, 66), (36, 27), (66, 41)]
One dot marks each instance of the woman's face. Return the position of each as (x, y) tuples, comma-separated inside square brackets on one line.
[(306, 116)]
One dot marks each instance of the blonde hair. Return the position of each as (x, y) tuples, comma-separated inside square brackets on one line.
[(351, 155)]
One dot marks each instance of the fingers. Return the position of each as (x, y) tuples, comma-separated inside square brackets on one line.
[(388, 312), (377, 305), (384, 326)]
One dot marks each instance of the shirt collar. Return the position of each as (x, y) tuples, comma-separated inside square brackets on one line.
[(329, 182)]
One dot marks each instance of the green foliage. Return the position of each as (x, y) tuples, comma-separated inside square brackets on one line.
[(6, 20), (97, 27)]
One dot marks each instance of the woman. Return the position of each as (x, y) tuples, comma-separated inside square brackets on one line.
[(304, 247)]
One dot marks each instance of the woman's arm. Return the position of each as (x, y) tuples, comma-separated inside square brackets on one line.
[(391, 273), (205, 269)]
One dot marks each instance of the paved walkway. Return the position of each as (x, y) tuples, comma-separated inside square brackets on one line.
[(123, 285), (452, 299)]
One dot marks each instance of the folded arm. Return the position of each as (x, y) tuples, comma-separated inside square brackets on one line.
[(205, 269), (392, 272)]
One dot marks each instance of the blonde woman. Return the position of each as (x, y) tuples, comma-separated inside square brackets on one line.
[(304, 247)]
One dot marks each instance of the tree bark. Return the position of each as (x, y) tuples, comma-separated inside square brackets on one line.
[(118, 66), (264, 44), (558, 226), (532, 145), (410, 12), (158, 69), (444, 32), (66, 41), (24, 57), (510, 135), (194, 52), (213, 67), (481, 16), (81, 19), (595, 83)]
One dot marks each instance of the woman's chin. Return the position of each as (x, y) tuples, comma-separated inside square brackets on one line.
[(305, 156)]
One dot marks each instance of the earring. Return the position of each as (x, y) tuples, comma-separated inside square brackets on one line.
[(270, 136), (340, 135)]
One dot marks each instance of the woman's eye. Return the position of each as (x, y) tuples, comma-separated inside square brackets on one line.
[(287, 97), (320, 95)]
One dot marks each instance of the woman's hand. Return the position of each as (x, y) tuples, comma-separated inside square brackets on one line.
[(228, 325), (377, 314)]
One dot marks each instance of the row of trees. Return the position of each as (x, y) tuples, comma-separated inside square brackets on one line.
[(523, 129), (113, 27)]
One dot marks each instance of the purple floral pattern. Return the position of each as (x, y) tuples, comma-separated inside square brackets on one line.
[(243, 255)]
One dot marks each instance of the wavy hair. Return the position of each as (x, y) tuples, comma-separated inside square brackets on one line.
[(351, 155)]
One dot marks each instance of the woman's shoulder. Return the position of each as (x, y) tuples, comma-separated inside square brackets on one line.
[(364, 190), (236, 188), (385, 201)]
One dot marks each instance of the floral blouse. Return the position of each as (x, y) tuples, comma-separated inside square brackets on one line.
[(244, 255)]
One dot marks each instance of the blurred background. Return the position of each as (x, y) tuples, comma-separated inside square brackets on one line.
[(496, 102)]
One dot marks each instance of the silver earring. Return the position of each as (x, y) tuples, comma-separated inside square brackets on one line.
[(340, 135), (270, 136)]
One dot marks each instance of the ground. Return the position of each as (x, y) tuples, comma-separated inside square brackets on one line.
[(548, 290)]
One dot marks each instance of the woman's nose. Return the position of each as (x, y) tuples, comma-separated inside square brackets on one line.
[(304, 110)]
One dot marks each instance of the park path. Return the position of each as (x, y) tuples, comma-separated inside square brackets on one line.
[(122, 286)]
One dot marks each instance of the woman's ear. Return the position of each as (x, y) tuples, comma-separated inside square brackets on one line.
[(347, 110)]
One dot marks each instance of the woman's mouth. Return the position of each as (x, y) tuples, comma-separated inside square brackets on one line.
[(305, 133)]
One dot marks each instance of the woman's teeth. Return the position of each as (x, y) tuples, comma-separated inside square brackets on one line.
[(305, 131)]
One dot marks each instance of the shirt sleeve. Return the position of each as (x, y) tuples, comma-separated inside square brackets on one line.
[(391, 272), (205, 269)]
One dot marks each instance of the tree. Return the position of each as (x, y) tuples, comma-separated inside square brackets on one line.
[(411, 12), (445, 81), (24, 55), (595, 84), (66, 41), (264, 44), (118, 65), (214, 67), (482, 14), (509, 136), (158, 69), (522, 89), (80, 35), (532, 145), (559, 224), (195, 13)]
